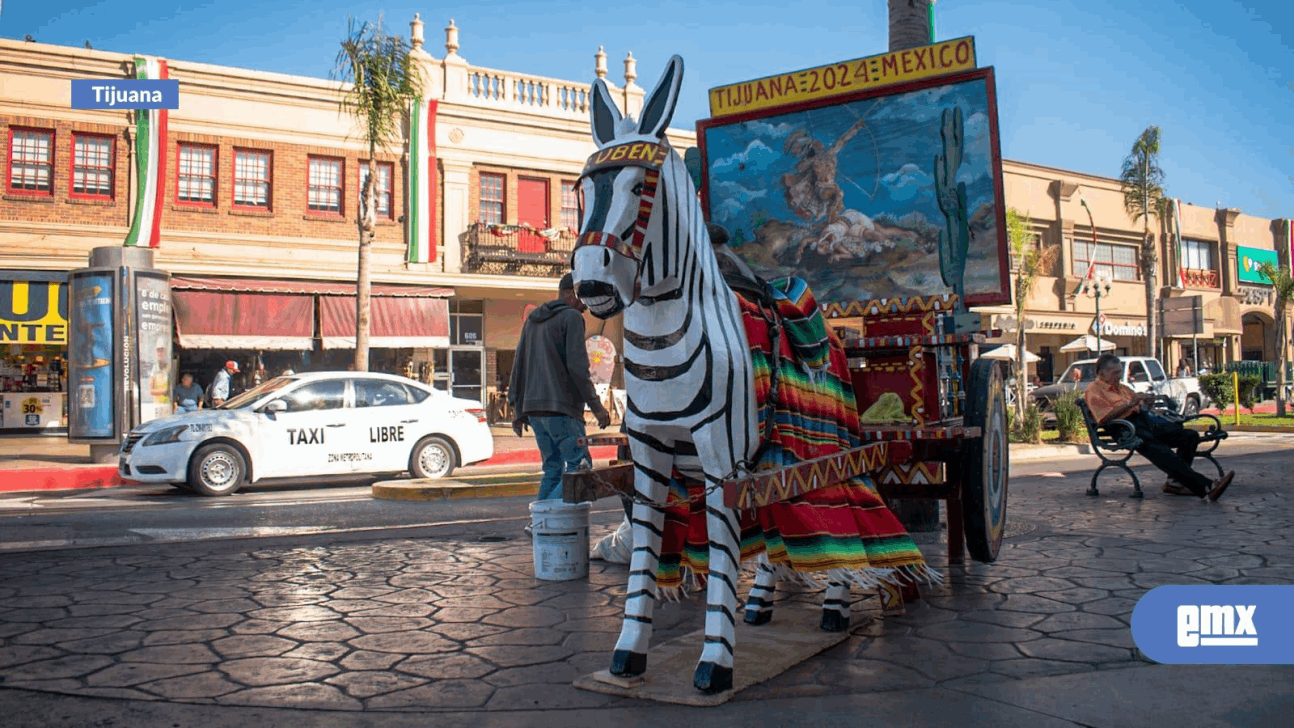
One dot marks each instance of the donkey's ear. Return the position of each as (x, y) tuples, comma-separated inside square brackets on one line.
[(605, 115), (659, 108)]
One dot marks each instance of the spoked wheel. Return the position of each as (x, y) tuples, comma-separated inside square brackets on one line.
[(217, 470), (986, 460), (433, 457)]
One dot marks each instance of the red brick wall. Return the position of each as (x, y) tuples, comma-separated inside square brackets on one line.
[(288, 215)]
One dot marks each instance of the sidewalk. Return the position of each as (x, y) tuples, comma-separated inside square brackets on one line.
[(448, 627)]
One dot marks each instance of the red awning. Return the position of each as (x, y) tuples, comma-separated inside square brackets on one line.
[(224, 320), (397, 323), (325, 288)]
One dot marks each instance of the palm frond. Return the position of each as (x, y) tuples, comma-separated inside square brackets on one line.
[(383, 81)]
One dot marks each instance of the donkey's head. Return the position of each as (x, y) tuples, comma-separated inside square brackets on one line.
[(619, 186)]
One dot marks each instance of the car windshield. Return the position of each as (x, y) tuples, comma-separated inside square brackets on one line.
[(256, 393), (1086, 373)]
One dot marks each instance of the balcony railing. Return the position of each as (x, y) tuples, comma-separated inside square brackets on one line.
[(523, 92), (517, 250), (1201, 278)]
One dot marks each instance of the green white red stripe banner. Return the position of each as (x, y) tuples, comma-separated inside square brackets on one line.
[(421, 190), (1177, 237), (150, 162)]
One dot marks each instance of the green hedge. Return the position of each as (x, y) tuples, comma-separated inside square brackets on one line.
[(1218, 387)]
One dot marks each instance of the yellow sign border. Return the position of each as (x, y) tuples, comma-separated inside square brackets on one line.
[(837, 79)]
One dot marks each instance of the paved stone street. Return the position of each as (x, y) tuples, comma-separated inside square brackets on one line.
[(456, 621)]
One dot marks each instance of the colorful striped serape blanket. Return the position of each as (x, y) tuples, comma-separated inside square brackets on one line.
[(843, 532)]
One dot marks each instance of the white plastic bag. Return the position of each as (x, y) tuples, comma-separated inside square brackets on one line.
[(616, 548)]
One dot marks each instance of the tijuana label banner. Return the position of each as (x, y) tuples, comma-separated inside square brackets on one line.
[(836, 79), (1248, 260), (33, 312)]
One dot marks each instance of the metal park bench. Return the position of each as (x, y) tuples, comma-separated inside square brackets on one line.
[(1116, 441)]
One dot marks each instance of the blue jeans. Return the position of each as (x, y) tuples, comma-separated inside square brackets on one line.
[(556, 438)]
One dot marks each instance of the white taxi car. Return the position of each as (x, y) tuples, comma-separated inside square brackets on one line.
[(318, 424)]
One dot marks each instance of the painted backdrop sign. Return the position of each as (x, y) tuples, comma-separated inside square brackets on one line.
[(855, 193), (1248, 260)]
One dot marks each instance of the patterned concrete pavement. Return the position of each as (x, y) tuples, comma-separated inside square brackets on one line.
[(456, 622)]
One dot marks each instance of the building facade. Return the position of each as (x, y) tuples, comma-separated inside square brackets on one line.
[(259, 192)]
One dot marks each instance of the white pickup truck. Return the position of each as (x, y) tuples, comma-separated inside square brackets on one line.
[(1142, 373)]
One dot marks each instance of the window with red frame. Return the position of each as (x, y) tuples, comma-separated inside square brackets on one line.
[(570, 206), (491, 204), (383, 191), (92, 166), (31, 161), (325, 192), (195, 180), (251, 179)]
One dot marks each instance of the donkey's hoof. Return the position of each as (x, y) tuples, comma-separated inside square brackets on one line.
[(711, 678), (628, 664), (833, 621), (756, 616)]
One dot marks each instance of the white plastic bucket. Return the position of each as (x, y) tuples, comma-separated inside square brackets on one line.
[(561, 539)]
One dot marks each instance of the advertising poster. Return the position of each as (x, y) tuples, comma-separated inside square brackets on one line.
[(90, 384), (1248, 260), (153, 301)]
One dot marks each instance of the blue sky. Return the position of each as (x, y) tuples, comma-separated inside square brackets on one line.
[(1077, 80)]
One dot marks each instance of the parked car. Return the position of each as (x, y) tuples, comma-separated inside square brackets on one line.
[(1143, 374), (318, 424)]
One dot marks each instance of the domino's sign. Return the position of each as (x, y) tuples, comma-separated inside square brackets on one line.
[(1224, 624)]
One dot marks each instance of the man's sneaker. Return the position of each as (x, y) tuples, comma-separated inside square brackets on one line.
[(529, 532), (1220, 486), (1172, 487)]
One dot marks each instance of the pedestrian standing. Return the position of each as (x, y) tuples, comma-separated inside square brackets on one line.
[(220, 385), (551, 384)]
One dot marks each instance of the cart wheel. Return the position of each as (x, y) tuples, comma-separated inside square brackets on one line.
[(987, 459)]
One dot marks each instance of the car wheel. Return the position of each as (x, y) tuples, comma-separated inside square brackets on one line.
[(1192, 406), (217, 470), (433, 457)]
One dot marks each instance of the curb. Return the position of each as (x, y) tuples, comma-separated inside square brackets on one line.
[(433, 490), (73, 478), (1023, 452)]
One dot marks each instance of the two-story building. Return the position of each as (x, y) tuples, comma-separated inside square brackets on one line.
[(258, 177)]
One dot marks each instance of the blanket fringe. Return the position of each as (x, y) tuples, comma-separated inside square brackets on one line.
[(865, 578)]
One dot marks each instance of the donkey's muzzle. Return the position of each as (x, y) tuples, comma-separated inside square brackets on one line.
[(600, 297), (595, 289)]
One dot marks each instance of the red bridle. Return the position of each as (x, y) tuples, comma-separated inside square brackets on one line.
[(648, 155)]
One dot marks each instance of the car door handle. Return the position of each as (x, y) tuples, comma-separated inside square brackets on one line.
[(407, 422), (339, 424)]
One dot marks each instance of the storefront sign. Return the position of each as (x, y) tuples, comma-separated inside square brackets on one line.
[(90, 383), (838, 79), (1109, 328), (33, 312), (1248, 260), (153, 297), (1251, 296)]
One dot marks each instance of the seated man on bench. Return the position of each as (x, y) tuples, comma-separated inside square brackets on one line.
[(1108, 399)]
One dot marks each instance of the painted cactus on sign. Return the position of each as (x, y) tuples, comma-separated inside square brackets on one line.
[(954, 240)]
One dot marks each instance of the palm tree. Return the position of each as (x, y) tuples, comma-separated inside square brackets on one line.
[(1031, 261), (909, 23), (383, 82), (1283, 288), (1143, 195)]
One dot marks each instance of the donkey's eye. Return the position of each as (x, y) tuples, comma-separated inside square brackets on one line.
[(638, 189)]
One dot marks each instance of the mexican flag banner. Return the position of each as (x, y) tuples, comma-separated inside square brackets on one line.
[(150, 162), (421, 190)]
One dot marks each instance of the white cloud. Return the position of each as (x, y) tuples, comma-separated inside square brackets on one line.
[(906, 182), (765, 129), (756, 156), (728, 199)]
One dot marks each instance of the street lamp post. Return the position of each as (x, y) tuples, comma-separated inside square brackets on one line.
[(1100, 287)]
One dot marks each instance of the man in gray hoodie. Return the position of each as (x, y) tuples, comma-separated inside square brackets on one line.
[(551, 384)]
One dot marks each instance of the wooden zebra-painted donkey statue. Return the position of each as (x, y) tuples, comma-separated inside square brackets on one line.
[(690, 378), (644, 250)]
